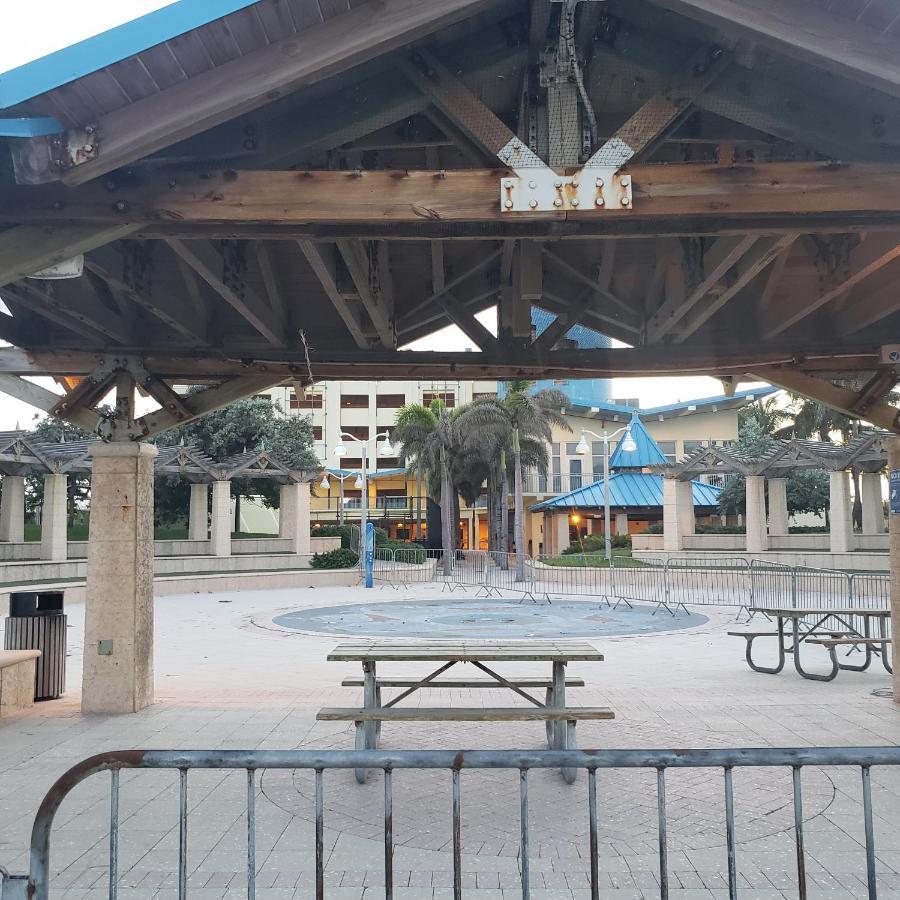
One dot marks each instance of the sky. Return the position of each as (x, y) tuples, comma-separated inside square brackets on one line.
[(33, 30)]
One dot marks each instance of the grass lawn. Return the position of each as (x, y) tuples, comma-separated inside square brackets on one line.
[(160, 533), (595, 559)]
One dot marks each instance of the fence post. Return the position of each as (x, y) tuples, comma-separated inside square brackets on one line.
[(793, 587)]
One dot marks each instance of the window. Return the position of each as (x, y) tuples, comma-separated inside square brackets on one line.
[(354, 465), (574, 474), (358, 431), (597, 458), (555, 469), (317, 432), (389, 401), (691, 446), (354, 401), (388, 462), (306, 401), (448, 398), (668, 450), (572, 449)]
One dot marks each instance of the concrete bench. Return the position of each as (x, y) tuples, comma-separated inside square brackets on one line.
[(17, 672)]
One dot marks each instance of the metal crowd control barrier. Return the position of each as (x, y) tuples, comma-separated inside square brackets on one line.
[(36, 884)]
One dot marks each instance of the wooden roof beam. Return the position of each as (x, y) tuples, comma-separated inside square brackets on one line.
[(208, 264), (806, 32), (189, 107), (363, 265)]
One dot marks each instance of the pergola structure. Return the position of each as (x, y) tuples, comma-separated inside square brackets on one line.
[(300, 188), (22, 455), (866, 452)]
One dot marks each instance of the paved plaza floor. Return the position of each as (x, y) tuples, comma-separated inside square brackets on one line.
[(229, 676)]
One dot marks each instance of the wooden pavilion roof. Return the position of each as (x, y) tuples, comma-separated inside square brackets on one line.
[(300, 188)]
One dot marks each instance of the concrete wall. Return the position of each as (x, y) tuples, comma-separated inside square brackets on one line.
[(866, 543)]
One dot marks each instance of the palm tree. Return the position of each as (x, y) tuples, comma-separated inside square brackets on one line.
[(429, 438), (523, 417)]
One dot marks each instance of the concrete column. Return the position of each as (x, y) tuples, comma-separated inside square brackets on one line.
[(561, 532), (778, 511), (870, 494), (293, 517), (839, 512), (118, 615), (220, 525), (198, 518), (893, 448), (12, 509), (53, 517), (755, 517), (673, 519), (621, 526), (686, 508)]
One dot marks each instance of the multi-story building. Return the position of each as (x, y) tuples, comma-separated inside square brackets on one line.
[(366, 409)]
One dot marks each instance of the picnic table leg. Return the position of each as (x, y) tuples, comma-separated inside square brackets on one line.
[(367, 732), (867, 632), (811, 675), (768, 670)]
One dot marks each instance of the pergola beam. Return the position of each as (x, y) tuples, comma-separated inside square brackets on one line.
[(37, 396)]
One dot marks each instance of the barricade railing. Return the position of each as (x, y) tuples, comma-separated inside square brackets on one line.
[(36, 885)]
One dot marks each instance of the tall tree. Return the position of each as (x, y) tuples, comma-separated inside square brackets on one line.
[(521, 414), (430, 441)]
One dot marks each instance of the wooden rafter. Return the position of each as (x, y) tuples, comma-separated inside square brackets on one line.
[(805, 31), (857, 404), (270, 279), (322, 260), (362, 264), (199, 103), (208, 264), (45, 400)]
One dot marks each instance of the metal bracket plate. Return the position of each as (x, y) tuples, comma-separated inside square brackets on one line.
[(543, 190)]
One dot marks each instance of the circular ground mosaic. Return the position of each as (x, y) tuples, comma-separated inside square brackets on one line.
[(437, 619), (627, 812)]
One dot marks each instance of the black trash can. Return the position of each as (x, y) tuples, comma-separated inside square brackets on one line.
[(37, 622)]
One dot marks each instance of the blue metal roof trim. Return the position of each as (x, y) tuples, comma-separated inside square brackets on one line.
[(586, 338), (646, 452), (77, 60), (599, 405), (627, 490)]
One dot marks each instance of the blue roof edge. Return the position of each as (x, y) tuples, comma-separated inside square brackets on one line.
[(77, 60), (673, 407)]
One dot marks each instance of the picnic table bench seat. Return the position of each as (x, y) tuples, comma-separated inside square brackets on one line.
[(464, 714), (547, 683)]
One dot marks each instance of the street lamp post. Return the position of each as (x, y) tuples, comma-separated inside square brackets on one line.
[(384, 449), (583, 449), (325, 486)]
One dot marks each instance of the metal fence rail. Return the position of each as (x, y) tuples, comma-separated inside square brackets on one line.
[(36, 885)]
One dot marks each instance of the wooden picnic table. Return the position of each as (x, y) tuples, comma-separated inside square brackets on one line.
[(560, 719), (820, 631)]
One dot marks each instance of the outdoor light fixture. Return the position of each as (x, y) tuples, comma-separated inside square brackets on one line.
[(359, 482), (324, 483), (340, 450), (628, 444), (583, 447), (386, 448)]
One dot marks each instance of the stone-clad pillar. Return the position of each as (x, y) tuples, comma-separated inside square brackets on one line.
[(53, 517), (755, 518), (198, 519), (293, 517), (872, 503), (674, 517), (621, 526), (118, 621), (839, 513), (220, 524), (561, 536), (12, 509), (778, 510), (893, 449), (686, 509)]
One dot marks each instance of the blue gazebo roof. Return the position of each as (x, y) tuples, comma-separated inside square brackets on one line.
[(646, 452), (626, 490)]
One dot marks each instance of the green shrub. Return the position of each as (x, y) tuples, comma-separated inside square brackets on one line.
[(594, 542), (721, 529), (341, 558), (655, 528), (808, 529), (343, 532)]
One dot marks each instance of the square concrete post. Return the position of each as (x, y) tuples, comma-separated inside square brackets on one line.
[(870, 494), (198, 518), (118, 613), (839, 517), (561, 535), (53, 517), (686, 508), (673, 518), (293, 517), (755, 518), (12, 509), (621, 523), (893, 448), (220, 525), (778, 510)]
